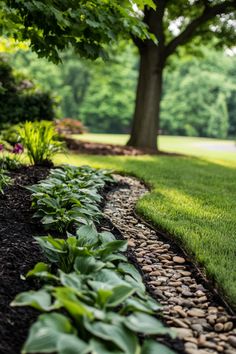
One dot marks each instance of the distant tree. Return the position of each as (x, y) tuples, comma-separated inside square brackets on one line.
[(175, 24), (218, 124)]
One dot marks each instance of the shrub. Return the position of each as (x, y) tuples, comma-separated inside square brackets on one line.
[(41, 141), (69, 126), (20, 100)]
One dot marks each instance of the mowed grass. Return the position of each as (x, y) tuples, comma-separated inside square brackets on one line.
[(192, 199), (200, 147)]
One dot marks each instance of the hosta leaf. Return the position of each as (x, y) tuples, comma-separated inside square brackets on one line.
[(127, 268), (106, 237), (99, 348), (87, 235), (120, 293), (146, 324), (40, 300), (115, 333), (71, 344), (68, 299), (109, 277), (71, 280), (87, 265), (45, 334), (41, 270), (112, 247), (133, 304), (152, 347)]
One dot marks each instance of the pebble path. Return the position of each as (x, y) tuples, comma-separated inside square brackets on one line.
[(203, 325)]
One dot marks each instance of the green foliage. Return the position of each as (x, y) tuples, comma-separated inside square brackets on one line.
[(69, 197), (87, 26), (9, 162), (40, 140), (103, 95), (20, 100), (5, 180), (198, 96), (101, 293), (88, 278)]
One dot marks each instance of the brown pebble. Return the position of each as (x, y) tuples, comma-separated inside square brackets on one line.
[(179, 260), (228, 326), (219, 327), (195, 312), (232, 341)]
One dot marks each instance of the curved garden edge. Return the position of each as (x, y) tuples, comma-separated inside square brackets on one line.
[(118, 201)]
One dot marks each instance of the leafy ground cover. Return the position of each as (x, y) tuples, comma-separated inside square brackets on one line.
[(192, 199), (102, 302)]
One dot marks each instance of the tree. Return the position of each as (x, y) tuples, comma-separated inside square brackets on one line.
[(89, 26), (175, 24)]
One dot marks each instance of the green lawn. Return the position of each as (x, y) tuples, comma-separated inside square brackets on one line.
[(201, 147), (193, 199)]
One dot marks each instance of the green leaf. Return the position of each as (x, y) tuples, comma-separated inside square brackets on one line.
[(70, 280), (116, 333), (68, 299), (120, 293), (87, 235), (146, 324), (152, 347), (87, 265), (46, 333), (99, 348), (40, 300)]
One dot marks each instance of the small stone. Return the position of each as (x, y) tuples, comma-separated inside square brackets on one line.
[(187, 293), (155, 273), (131, 243), (219, 348), (179, 260), (232, 341), (212, 319), (197, 327), (219, 327), (147, 269), (194, 312), (182, 332), (179, 323), (228, 326), (190, 345), (221, 319)]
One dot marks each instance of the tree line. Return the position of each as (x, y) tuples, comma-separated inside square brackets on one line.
[(199, 94)]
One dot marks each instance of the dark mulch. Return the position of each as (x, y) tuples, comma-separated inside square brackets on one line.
[(18, 254), (85, 147)]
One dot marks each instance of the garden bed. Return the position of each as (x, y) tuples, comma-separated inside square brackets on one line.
[(18, 254)]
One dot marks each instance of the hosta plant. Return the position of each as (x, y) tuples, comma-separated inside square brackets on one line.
[(104, 302), (69, 197)]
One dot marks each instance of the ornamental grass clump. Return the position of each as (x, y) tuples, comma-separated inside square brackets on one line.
[(41, 141)]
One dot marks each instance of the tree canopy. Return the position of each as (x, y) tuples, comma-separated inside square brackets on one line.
[(87, 26)]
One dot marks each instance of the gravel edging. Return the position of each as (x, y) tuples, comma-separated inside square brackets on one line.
[(200, 320)]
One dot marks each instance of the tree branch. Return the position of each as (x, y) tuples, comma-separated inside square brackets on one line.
[(207, 14), (154, 20)]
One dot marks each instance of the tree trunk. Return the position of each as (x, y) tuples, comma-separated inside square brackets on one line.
[(145, 124)]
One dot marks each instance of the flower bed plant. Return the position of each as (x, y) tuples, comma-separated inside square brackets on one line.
[(93, 300)]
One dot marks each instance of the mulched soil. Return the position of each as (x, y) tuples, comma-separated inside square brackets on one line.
[(18, 254), (85, 147)]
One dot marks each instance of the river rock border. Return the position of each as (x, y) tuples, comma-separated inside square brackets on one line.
[(202, 323)]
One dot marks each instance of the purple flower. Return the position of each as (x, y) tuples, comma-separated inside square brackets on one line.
[(18, 149), (1, 147)]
